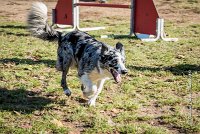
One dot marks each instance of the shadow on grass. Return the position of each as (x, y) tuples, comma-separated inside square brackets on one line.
[(125, 37), (142, 68), (13, 26), (12, 33), (21, 100), (49, 63), (15, 34), (7, 30), (182, 69)]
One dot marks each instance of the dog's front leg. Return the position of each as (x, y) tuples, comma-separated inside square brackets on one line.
[(64, 82), (88, 87), (100, 84)]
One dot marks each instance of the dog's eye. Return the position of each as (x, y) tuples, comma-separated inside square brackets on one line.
[(114, 62), (116, 68)]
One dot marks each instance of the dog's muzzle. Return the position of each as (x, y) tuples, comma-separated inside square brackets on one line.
[(124, 71), (117, 75)]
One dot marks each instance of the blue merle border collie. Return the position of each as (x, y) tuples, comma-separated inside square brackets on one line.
[(95, 61)]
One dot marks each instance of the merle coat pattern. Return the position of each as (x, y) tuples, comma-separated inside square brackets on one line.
[(96, 61)]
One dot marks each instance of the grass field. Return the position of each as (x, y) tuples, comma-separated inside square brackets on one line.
[(153, 98)]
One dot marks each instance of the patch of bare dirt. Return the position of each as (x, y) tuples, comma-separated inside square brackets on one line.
[(167, 9), (16, 10)]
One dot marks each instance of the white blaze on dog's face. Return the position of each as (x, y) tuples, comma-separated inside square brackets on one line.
[(114, 60)]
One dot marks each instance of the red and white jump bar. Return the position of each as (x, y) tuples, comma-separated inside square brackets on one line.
[(144, 17)]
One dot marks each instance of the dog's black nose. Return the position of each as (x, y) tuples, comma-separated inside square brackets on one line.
[(124, 71)]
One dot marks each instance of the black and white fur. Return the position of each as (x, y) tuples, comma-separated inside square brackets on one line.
[(96, 61)]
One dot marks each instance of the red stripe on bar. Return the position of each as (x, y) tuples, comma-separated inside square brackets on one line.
[(102, 5)]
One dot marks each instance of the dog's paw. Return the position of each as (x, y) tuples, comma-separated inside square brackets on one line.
[(67, 92), (92, 102)]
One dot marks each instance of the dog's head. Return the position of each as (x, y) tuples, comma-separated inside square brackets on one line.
[(113, 59)]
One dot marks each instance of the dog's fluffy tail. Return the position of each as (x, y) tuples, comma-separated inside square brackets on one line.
[(37, 23)]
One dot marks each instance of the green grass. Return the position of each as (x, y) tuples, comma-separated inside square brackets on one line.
[(152, 99)]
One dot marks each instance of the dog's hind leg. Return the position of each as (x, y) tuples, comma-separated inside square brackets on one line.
[(64, 77)]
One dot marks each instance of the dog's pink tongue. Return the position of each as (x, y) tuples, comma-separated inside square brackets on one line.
[(118, 77)]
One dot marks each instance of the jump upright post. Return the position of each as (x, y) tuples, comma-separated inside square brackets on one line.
[(144, 18)]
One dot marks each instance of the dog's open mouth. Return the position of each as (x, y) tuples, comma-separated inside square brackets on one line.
[(116, 75)]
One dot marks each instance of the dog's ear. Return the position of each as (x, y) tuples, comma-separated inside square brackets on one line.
[(104, 49), (119, 46)]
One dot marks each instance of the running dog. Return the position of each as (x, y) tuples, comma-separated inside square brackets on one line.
[(95, 61)]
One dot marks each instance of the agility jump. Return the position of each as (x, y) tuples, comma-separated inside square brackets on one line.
[(144, 18)]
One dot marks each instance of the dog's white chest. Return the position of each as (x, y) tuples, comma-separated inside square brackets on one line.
[(95, 75)]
